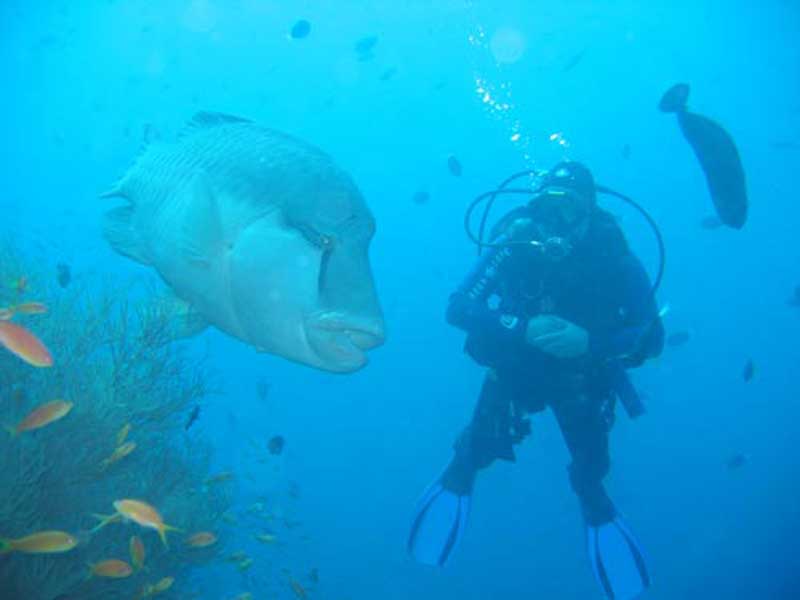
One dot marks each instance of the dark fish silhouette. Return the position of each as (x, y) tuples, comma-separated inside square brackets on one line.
[(717, 154), (421, 197), (388, 74), (365, 46), (737, 461), (626, 151), (574, 61), (454, 166), (193, 416), (276, 444), (749, 370), (679, 338), (64, 274), (263, 388), (300, 29)]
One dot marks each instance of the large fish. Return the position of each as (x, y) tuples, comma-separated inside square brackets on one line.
[(261, 234), (717, 154)]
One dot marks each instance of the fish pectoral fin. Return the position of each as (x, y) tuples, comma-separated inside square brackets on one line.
[(119, 232), (201, 235)]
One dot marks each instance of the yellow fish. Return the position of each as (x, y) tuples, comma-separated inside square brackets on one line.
[(111, 568), (122, 434), (118, 454), (43, 542), (42, 416), (266, 538), (202, 539), (245, 564), (163, 585), (136, 548), (145, 515)]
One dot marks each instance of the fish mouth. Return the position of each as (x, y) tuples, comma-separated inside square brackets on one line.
[(341, 341)]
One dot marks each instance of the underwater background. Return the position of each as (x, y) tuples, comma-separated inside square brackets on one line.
[(392, 90)]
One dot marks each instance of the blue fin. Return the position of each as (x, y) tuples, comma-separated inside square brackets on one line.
[(617, 560), (438, 525)]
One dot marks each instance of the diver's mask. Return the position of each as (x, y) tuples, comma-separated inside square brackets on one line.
[(559, 218)]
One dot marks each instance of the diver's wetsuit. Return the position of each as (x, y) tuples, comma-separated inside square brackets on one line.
[(601, 287)]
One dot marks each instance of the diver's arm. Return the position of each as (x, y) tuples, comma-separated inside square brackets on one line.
[(469, 309), (642, 336)]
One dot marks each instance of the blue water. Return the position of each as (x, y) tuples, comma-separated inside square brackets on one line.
[(81, 80)]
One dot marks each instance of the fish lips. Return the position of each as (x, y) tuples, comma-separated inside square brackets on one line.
[(341, 341)]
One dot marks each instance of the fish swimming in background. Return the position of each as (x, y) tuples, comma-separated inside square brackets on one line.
[(454, 166), (365, 47), (718, 156), (42, 416), (23, 344), (749, 370), (388, 74), (626, 151), (43, 542), (313, 575), (298, 589), (260, 235), (63, 274), (574, 61), (300, 29), (266, 538), (162, 585), (136, 549), (737, 461), (111, 568), (276, 444), (262, 389), (421, 197), (192, 417), (202, 539), (119, 453)]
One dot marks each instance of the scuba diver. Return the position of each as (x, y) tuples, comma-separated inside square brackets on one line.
[(556, 311)]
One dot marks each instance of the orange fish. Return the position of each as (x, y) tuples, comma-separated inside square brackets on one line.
[(42, 416), (24, 344), (111, 568), (298, 589), (145, 515), (118, 454), (29, 308), (44, 542), (136, 548), (203, 539)]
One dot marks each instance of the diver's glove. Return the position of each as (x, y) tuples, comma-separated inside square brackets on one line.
[(557, 337)]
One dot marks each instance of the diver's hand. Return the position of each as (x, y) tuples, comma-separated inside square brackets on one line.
[(557, 337)]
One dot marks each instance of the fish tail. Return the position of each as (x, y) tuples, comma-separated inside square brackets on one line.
[(162, 533), (6, 546), (104, 520)]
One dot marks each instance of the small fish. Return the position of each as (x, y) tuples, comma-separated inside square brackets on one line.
[(366, 45), (749, 370), (276, 444), (63, 274), (229, 519), (421, 197), (737, 461), (298, 589), (42, 416), (711, 222), (238, 556), (574, 61), (43, 542), (313, 575), (245, 596), (22, 343), (122, 434), (119, 453), (192, 417), (263, 388), (388, 74), (202, 539), (626, 151), (454, 166), (136, 548), (679, 338), (144, 515), (245, 564), (111, 568), (220, 477), (300, 29), (266, 538), (29, 308), (162, 585)]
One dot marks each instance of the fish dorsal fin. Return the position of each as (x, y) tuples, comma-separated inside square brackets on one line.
[(207, 119), (201, 234)]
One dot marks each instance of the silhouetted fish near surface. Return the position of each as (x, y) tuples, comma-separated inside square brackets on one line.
[(454, 166), (421, 197), (717, 154), (679, 338), (737, 461), (276, 444), (193, 416), (365, 46), (64, 274), (300, 29), (749, 370), (710, 222), (574, 61), (388, 74)]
